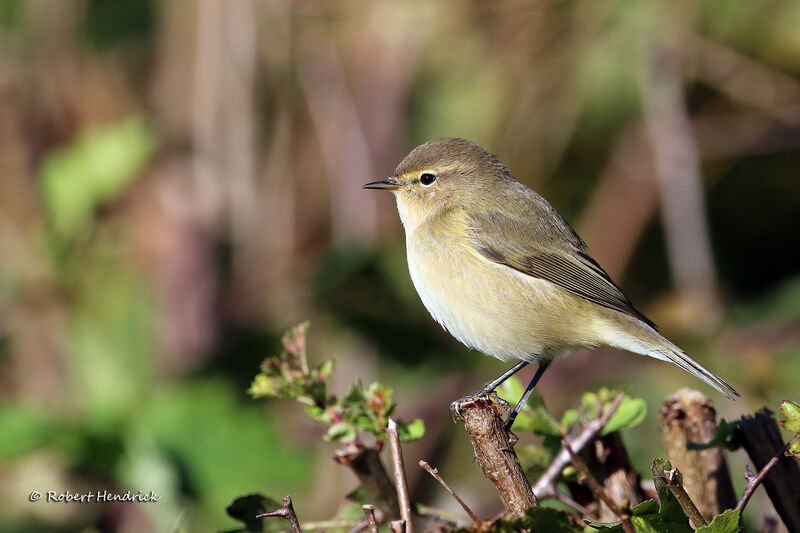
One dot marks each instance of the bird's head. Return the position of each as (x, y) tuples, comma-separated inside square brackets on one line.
[(441, 174)]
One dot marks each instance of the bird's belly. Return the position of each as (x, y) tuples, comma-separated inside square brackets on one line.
[(494, 308)]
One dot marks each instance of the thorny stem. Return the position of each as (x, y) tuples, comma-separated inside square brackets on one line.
[(287, 512), (754, 481), (400, 482), (545, 486), (597, 489), (670, 477), (477, 522)]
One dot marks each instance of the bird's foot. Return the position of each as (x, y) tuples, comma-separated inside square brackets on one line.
[(486, 396)]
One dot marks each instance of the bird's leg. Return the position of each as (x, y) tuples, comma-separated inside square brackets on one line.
[(497, 382), (527, 394), (490, 387)]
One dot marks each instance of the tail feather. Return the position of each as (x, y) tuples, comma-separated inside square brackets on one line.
[(647, 341), (682, 360)]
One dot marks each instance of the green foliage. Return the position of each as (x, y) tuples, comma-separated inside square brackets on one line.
[(630, 413), (246, 508), (288, 375), (535, 519), (107, 24), (666, 516), (791, 413), (10, 13), (93, 170), (727, 522), (536, 418), (791, 422), (724, 435)]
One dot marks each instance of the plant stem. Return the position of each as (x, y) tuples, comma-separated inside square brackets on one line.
[(476, 522), (754, 481), (400, 481), (287, 512), (671, 478), (597, 489), (545, 486), (483, 419)]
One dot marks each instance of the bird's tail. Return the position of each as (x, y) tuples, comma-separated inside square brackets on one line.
[(650, 342), (680, 358)]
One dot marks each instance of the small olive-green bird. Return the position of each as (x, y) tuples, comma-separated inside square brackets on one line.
[(503, 272)]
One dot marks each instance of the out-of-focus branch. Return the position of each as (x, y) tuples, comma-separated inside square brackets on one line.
[(400, 482), (483, 420), (677, 165), (545, 486), (597, 489), (610, 464), (342, 138), (761, 437), (740, 77), (366, 465), (688, 416), (629, 177)]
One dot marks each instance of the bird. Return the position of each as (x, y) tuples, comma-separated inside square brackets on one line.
[(503, 272)]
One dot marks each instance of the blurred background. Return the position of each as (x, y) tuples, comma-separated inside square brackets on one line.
[(180, 182)]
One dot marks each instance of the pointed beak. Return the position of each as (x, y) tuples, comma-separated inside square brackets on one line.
[(389, 184)]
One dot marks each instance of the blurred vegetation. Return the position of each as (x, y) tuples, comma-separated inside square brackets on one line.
[(180, 182)]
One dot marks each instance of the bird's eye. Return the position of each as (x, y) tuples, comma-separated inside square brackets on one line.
[(427, 179)]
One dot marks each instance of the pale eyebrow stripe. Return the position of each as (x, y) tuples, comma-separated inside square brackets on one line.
[(435, 170)]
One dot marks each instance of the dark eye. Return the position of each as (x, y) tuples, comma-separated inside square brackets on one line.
[(427, 178)]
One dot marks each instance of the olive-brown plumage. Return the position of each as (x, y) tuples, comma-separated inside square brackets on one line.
[(502, 271)]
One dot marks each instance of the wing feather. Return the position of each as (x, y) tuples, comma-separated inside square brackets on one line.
[(564, 262)]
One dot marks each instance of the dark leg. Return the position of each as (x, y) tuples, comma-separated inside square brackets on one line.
[(454, 407), (527, 394), (496, 383)]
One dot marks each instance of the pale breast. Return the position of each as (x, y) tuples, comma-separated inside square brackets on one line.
[(491, 307)]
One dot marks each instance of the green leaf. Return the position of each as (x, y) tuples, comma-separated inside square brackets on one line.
[(341, 431), (794, 448), (319, 414), (534, 416), (354, 396), (570, 417), (589, 404), (95, 169), (727, 522), (538, 519), (645, 508), (323, 372), (724, 436), (631, 413), (246, 508), (647, 518), (263, 386), (606, 527), (414, 430), (511, 391), (791, 411), (360, 495), (669, 508), (656, 524)]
